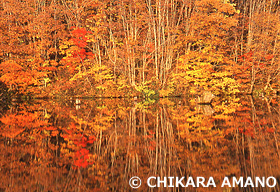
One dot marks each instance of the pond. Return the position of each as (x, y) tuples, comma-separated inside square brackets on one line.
[(100, 144)]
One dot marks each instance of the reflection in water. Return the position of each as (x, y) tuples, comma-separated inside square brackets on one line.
[(51, 146)]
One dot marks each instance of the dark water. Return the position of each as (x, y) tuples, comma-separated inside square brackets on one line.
[(99, 145)]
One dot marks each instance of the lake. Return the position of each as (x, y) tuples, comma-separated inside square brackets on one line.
[(100, 144)]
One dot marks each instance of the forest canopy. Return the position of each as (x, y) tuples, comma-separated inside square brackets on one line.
[(143, 48)]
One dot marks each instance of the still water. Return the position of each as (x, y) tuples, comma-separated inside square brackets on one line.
[(98, 145)]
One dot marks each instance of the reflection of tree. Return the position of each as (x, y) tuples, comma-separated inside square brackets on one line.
[(141, 143), (54, 147), (257, 138), (234, 141)]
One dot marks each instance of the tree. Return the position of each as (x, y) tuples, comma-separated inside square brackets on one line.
[(205, 64)]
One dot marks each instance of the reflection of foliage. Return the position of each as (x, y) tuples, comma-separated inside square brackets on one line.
[(105, 142), (145, 103), (81, 158), (15, 124)]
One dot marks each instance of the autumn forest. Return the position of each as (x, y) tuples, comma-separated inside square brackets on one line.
[(94, 92), (53, 48)]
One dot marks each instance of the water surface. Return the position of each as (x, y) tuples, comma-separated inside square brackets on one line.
[(100, 144)]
